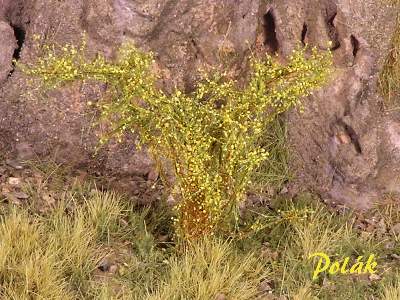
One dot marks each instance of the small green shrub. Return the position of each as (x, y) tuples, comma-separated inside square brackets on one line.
[(209, 137)]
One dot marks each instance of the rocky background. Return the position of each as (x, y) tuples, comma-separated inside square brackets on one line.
[(346, 146)]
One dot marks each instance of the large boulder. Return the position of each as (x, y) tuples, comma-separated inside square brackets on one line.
[(345, 147)]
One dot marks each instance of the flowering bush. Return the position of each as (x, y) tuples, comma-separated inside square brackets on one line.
[(209, 136)]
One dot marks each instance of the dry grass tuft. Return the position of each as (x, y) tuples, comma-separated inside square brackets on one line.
[(209, 268), (389, 80), (56, 254), (391, 291), (53, 256)]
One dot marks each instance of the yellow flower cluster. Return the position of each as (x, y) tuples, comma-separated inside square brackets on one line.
[(209, 136)]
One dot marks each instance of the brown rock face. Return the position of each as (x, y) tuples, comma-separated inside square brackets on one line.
[(345, 144), (345, 147), (7, 48)]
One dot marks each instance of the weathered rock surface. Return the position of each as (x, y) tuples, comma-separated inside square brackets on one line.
[(345, 143), (7, 48), (346, 148)]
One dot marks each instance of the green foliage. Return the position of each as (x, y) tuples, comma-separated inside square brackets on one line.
[(210, 137), (272, 173)]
